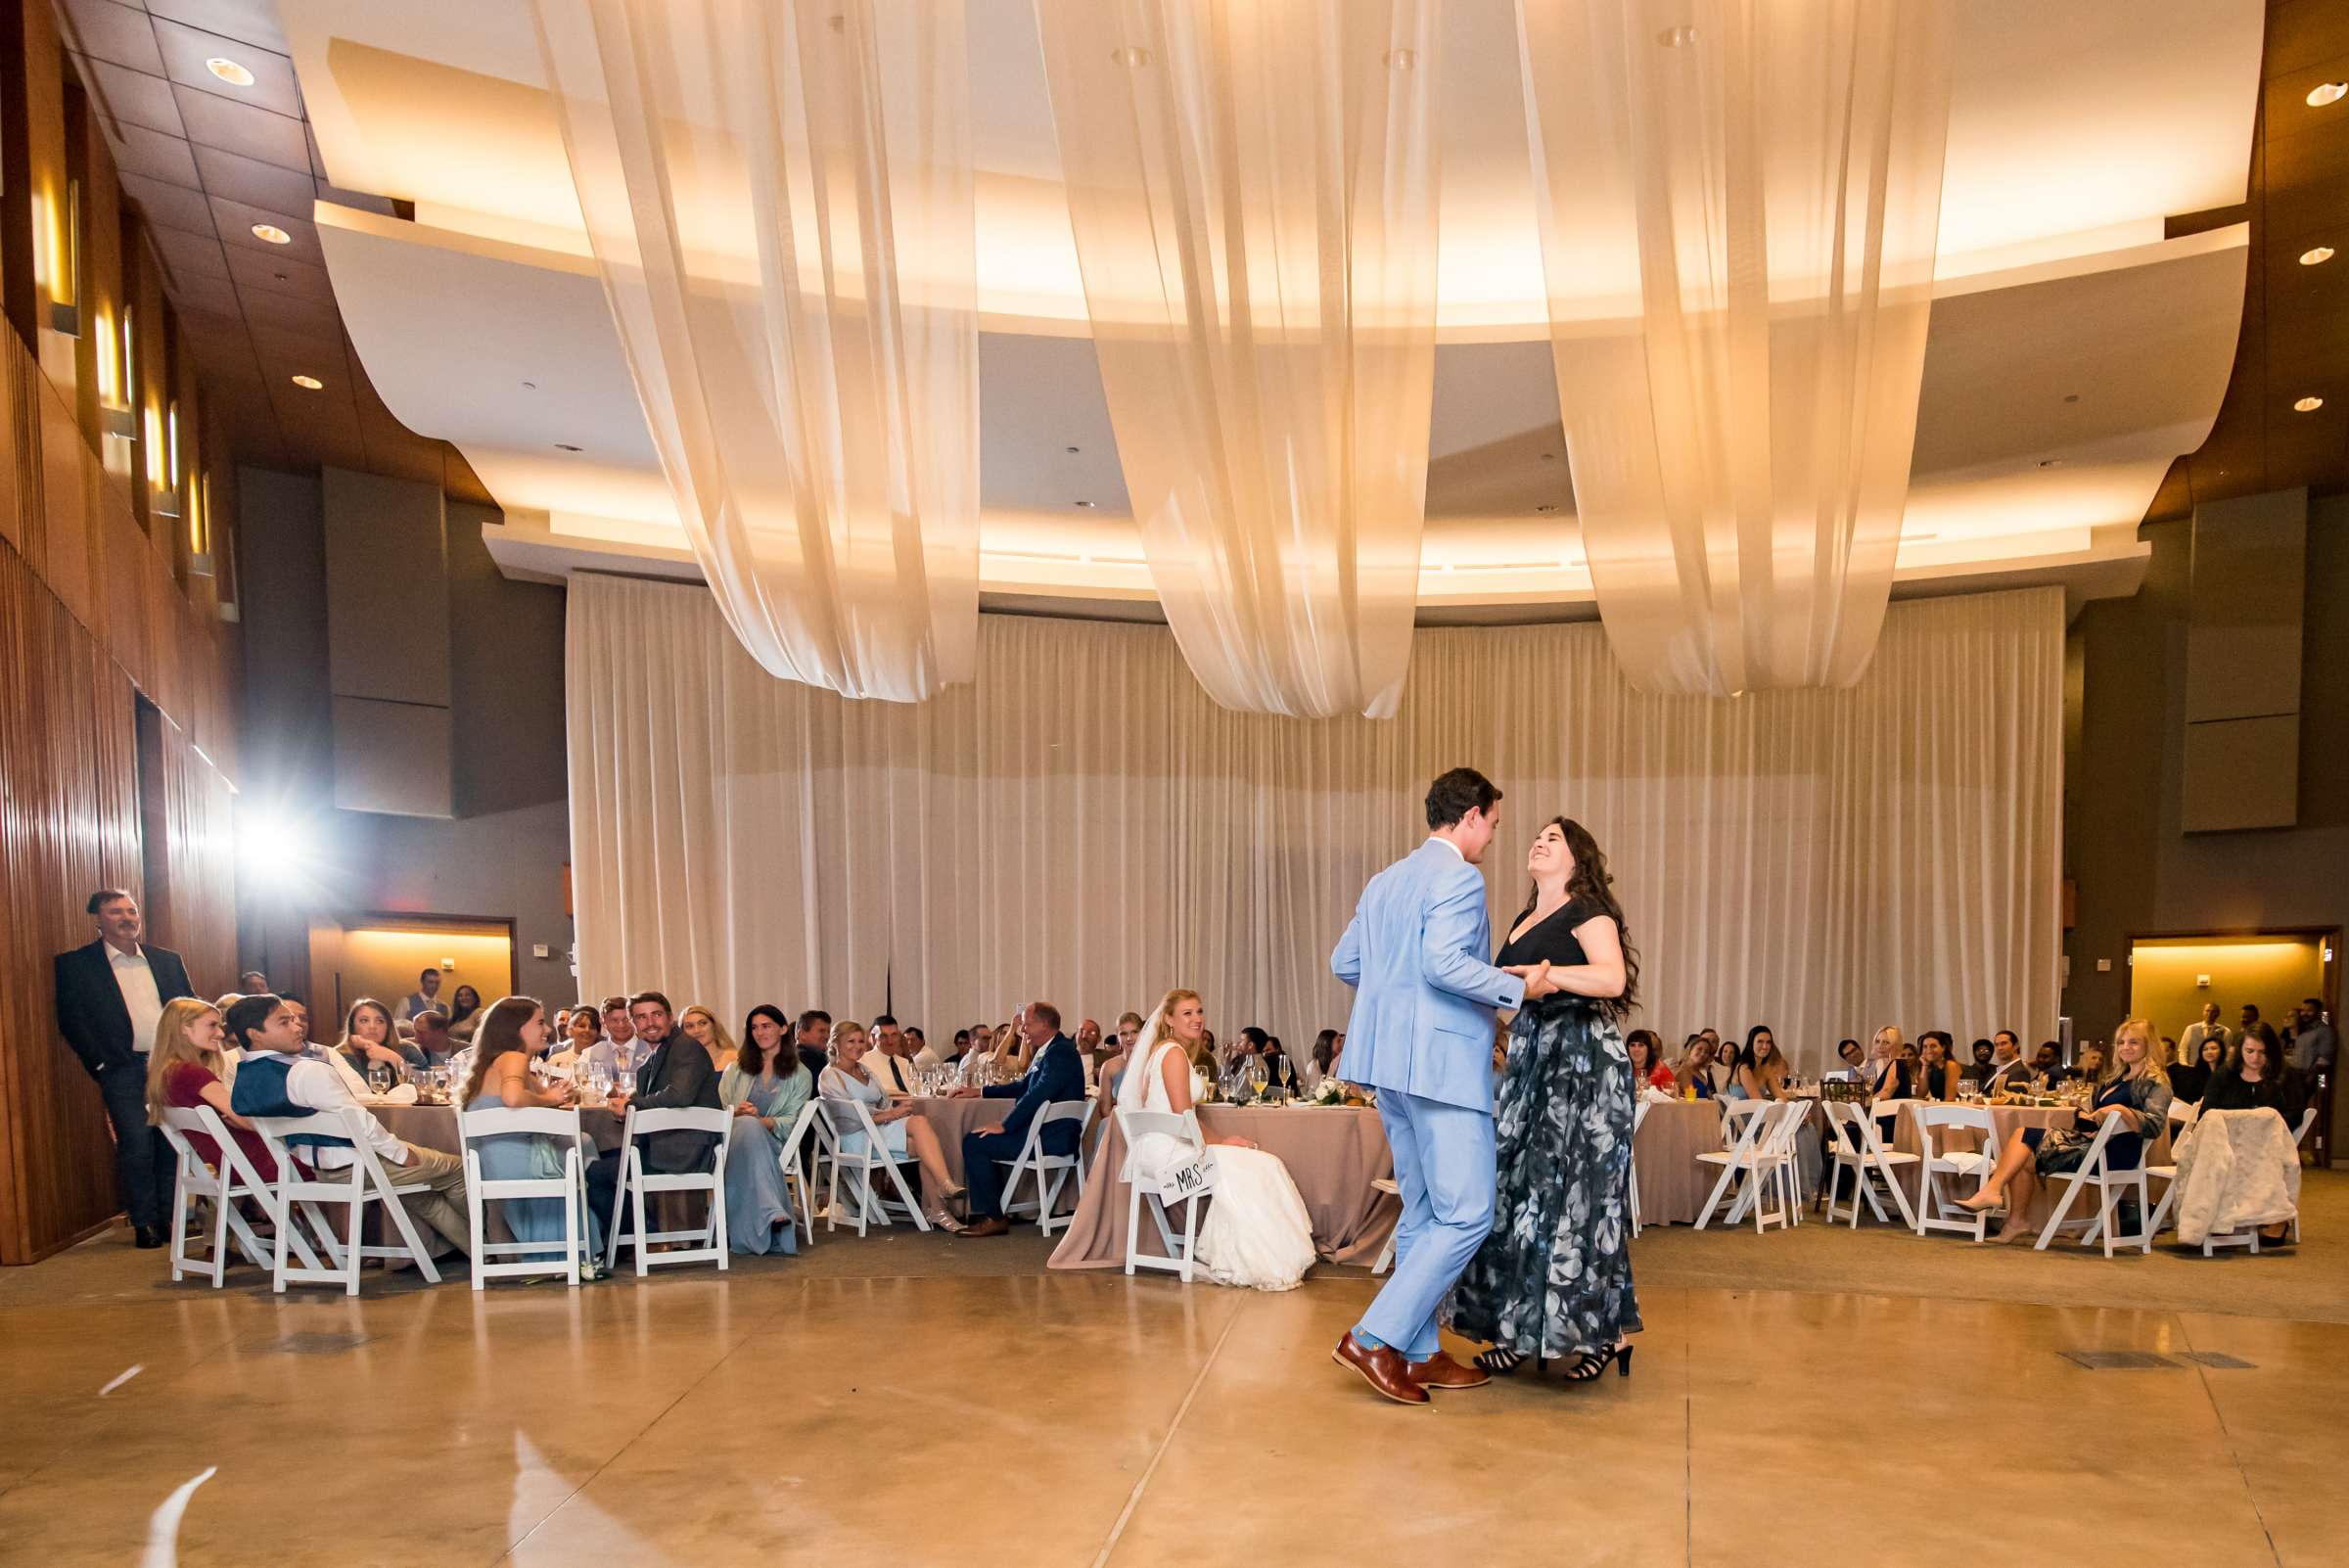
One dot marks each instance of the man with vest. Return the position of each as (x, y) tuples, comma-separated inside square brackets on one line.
[(275, 1079)]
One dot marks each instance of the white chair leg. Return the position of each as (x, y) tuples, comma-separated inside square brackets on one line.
[(1134, 1224), (2071, 1190), (1705, 1215)]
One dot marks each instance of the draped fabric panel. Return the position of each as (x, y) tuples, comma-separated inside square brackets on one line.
[(1253, 189), (779, 198), (1740, 206), (1085, 824)]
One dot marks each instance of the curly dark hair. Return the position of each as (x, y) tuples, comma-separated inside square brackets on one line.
[(1592, 882)]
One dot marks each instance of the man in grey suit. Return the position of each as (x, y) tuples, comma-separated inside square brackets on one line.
[(1421, 1035)]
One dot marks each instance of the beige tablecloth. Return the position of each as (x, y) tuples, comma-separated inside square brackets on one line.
[(1673, 1182), (952, 1118), (434, 1127), (1333, 1154)]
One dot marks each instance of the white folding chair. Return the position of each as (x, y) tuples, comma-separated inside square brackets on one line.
[(1859, 1149), (636, 1182), (1386, 1253), (1639, 1110), (1936, 1209), (526, 1256), (1035, 1163), (802, 1149), (844, 1119), (1755, 1159), (353, 1186), (1177, 1258), (2095, 1172), (197, 1181)]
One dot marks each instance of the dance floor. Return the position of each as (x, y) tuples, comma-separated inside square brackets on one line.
[(918, 1401)]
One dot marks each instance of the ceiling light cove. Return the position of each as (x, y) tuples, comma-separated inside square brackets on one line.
[(308, 383), (270, 233), (229, 72)]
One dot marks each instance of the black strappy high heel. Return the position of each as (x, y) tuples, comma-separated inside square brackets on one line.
[(1499, 1363), (1593, 1363)]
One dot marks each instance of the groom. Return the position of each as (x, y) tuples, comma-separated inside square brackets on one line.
[(1422, 1037)]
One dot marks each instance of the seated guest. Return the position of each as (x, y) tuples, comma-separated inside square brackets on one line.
[(2090, 1068), (1255, 1043), (432, 1039), (2008, 1074), (962, 1045), (1089, 1047), (464, 1014), (2047, 1062), (276, 1080), (891, 1058), (924, 1057), (1205, 1060), (676, 1075), (1891, 1075), (765, 1087), (369, 1041), (1318, 1061), (578, 1042), (2134, 1095), (1113, 1072), (1759, 1072), (1002, 1053), (513, 1032), (816, 1041), (1854, 1062), (701, 1026), (2256, 1075), (425, 996), (1985, 1061), (902, 1126), (619, 1051), (1936, 1066), (1694, 1076), (183, 1071), (2190, 1081), (1647, 1067), (1057, 1076), (252, 982)]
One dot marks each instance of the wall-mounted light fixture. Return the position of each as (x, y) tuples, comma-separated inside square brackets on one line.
[(115, 415), (63, 280), (162, 464)]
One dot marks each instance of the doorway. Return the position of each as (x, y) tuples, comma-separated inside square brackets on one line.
[(381, 955), (2172, 977)]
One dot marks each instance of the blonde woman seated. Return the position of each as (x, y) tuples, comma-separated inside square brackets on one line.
[(185, 1069), (513, 1032), (702, 1027), (2133, 1095), (1256, 1233), (903, 1127), (1694, 1078)]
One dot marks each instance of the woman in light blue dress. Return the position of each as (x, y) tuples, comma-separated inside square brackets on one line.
[(903, 1128), (765, 1107), (513, 1032)]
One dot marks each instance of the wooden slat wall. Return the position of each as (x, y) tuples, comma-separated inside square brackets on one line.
[(90, 619)]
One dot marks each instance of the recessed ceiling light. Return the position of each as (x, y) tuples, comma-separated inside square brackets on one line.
[(229, 72), (2333, 92), (1546, 506), (2071, 398), (272, 234), (530, 386), (2309, 405), (2051, 462), (1073, 451), (1080, 503), (2316, 256), (564, 446), (308, 383)]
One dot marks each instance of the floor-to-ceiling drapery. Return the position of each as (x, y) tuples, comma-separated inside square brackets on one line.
[(1085, 824)]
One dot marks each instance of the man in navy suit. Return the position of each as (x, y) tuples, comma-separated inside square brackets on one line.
[(1055, 1074), (109, 997)]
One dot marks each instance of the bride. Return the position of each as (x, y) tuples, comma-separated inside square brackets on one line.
[(1256, 1231)]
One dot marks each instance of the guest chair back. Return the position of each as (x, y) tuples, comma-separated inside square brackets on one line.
[(801, 1153), (627, 1204), (1640, 1109), (353, 1186), (1176, 1259), (1859, 1149), (2095, 1171), (1959, 1142), (1033, 1162), (525, 1257), (197, 1181), (1386, 1255), (1754, 1160), (860, 1153)]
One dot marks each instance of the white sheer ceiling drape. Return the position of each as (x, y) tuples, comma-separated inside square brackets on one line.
[(1253, 188), (779, 197), (1739, 205), (1084, 823)]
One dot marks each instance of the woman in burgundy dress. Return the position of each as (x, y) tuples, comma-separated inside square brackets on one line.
[(186, 1069)]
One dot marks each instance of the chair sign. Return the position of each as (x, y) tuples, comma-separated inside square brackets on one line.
[(1190, 1179)]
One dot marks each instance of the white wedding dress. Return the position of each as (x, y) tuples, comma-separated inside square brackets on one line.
[(1256, 1233)]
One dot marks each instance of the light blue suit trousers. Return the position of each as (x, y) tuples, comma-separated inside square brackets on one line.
[(1443, 1165)]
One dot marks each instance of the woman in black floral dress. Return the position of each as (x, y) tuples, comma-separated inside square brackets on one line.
[(1555, 1274)]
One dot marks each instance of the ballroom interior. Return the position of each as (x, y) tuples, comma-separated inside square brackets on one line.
[(911, 532)]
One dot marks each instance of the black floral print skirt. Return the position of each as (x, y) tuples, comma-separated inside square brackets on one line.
[(1554, 1276)]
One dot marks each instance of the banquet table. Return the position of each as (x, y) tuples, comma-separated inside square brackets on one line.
[(1333, 1152), (955, 1119), (2004, 1120), (1672, 1181), (434, 1127)]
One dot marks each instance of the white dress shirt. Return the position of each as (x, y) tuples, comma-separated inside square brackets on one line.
[(136, 978), (316, 1085), (893, 1074)]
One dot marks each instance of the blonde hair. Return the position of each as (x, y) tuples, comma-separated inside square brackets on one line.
[(719, 1039), (1897, 1040), (1165, 1016), (2149, 1068), (173, 1045), (846, 1027)]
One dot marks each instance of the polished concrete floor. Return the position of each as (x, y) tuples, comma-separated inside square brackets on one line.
[(920, 1401)]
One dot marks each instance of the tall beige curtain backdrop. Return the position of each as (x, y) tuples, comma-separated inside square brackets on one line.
[(1085, 824), (1253, 189), (1740, 205), (779, 198)]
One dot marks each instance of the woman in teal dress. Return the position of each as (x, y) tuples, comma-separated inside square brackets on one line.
[(512, 1032), (766, 1090)]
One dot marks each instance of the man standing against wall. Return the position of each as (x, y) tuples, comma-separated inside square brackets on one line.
[(109, 997)]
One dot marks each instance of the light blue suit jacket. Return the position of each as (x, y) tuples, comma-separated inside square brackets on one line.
[(1424, 993)]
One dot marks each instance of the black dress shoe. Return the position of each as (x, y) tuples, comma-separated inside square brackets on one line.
[(148, 1237)]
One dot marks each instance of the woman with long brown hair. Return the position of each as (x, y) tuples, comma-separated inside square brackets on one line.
[(369, 1038), (513, 1032), (1562, 1126)]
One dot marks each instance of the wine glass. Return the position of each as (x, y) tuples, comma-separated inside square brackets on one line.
[(379, 1076)]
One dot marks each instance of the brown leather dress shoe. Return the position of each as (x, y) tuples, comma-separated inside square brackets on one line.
[(992, 1226), (1383, 1369), (1442, 1371)]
